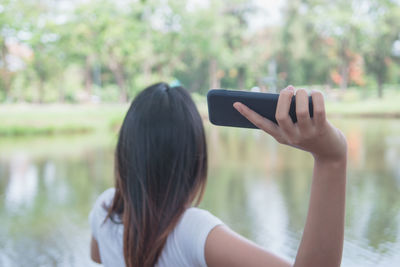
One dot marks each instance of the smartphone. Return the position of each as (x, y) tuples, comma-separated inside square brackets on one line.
[(221, 111)]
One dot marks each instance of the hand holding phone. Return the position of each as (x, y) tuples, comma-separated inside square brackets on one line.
[(221, 111), (317, 136)]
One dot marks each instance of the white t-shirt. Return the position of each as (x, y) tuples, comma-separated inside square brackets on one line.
[(184, 245)]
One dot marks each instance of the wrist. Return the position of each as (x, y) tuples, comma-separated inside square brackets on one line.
[(336, 154), (338, 161)]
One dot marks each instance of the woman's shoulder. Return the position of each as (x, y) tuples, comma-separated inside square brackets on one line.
[(199, 220), (106, 197), (99, 209), (191, 233), (198, 214)]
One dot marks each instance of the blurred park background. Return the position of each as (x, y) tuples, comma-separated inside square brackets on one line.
[(69, 68)]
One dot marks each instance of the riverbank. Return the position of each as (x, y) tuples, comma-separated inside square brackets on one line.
[(56, 119)]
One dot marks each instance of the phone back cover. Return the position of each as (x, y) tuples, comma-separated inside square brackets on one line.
[(221, 111)]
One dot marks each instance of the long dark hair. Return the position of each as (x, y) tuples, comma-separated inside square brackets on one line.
[(160, 169)]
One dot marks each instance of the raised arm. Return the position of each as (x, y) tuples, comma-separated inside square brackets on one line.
[(322, 240)]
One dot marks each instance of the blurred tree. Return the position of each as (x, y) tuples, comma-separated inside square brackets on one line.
[(346, 30), (215, 44), (381, 34), (99, 33), (9, 27), (46, 63), (115, 48), (305, 53)]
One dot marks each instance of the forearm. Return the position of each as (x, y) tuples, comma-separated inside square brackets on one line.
[(322, 241)]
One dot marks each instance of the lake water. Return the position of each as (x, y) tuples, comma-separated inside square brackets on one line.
[(256, 186)]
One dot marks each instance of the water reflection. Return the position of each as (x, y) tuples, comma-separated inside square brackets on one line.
[(44, 199), (23, 183), (258, 187)]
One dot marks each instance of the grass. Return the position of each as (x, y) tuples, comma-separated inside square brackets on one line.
[(379, 108), (64, 119), (22, 120), (358, 103)]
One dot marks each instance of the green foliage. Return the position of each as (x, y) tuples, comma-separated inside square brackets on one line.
[(113, 49)]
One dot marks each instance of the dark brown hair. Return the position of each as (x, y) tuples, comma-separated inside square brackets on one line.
[(160, 169)]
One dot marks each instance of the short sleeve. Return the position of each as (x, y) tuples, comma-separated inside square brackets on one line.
[(98, 213), (194, 228)]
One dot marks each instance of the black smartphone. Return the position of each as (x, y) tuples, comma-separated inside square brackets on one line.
[(221, 111)]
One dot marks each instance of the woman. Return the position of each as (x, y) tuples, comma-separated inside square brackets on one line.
[(161, 170)]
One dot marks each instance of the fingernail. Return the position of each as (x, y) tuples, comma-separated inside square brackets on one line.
[(237, 106), (290, 88)]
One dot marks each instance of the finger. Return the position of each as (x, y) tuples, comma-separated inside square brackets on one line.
[(319, 115), (302, 112), (282, 110), (258, 120)]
